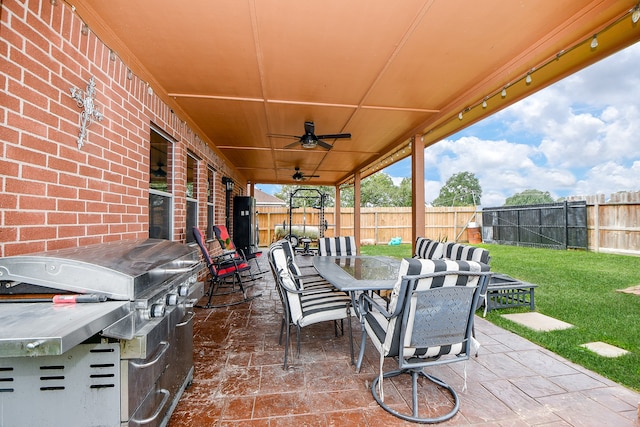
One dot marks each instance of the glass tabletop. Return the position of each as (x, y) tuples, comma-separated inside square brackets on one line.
[(358, 273), (368, 268)]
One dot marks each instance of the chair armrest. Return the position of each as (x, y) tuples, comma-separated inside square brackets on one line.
[(366, 303)]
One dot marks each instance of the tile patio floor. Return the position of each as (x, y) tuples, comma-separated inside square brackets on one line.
[(239, 380)]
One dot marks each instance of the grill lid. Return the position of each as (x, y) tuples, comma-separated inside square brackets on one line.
[(121, 270)]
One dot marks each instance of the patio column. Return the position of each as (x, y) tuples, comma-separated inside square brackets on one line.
[(417, 189), (336, 212), (356, 210)]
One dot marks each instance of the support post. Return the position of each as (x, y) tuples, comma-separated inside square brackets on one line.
[(356, 210), (336, 212), (417, 189)]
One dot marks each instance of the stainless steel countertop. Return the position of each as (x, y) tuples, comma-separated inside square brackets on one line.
[(45, 329)]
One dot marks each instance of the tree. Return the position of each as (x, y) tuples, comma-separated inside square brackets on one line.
[(376, 190), (403, 195), (529, 197), (462, 189)]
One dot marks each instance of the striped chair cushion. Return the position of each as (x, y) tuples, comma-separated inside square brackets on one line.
[(459, 252), (308, 306), (385, 333), (337, 246), (428, 249), (302, 280)]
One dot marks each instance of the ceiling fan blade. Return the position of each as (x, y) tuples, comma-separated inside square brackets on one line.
[(324, 145), (292, 145), (279, 135), (335, 136), (309, 127)]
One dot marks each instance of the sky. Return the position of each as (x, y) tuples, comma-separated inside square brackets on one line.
[(580, 136)]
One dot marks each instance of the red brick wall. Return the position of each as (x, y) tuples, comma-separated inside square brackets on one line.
[(52, 194)]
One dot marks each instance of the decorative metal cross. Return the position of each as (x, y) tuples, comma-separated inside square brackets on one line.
[(89, 113)]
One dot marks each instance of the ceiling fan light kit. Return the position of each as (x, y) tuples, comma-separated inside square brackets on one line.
[(310, 140)]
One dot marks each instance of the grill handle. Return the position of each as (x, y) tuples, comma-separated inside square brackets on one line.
[(157, 412), (191, 314), (165, 346)]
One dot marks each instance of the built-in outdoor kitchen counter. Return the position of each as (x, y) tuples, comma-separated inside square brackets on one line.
[(98, 335)]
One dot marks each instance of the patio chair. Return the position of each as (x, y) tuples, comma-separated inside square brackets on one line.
[(428, 322), (230, 250), (337, 246), (305, 276), (304, 306), (221, 270)]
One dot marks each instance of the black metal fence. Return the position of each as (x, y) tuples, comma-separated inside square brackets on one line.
[(553, 225)]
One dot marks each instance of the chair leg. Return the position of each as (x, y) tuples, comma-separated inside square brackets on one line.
[(361, 354), (415, 373)]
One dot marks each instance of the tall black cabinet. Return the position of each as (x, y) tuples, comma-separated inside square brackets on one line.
[(245, 225)]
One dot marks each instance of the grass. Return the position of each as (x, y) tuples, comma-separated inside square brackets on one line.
[(577, 287)]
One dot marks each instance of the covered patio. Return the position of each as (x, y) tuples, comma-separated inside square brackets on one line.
[(239, 378)]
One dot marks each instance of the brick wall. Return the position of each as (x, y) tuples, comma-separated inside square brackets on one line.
[(53, 194)]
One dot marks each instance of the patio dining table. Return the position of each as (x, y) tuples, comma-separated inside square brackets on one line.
[(356, 274)]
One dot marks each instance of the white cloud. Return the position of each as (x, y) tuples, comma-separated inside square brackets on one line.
[(580, 136)]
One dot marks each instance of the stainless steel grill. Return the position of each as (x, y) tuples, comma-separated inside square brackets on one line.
[(122, 360)]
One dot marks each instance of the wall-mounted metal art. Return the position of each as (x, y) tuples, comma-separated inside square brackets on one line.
[(85, 100)]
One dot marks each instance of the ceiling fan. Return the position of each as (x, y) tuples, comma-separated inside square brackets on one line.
[(159, 173), (299, 176), (310, 139)]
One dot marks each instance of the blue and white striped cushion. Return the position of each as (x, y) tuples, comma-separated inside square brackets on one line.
[(428, 249), (337, 246), (460, 252)]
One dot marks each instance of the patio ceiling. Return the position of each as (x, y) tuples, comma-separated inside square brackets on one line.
[(239, 71)]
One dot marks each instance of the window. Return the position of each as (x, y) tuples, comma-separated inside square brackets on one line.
[(160, 186), (192, 196), (211, 198)]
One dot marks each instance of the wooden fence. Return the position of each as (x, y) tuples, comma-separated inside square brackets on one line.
[(377, 225), (613, 225)]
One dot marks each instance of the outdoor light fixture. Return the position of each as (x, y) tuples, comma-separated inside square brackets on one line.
[(635, 15), (228, 182)]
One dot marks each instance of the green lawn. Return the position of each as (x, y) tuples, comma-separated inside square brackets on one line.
[(577, 287)]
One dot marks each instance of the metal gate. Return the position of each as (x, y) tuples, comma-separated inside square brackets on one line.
[(554, 225)]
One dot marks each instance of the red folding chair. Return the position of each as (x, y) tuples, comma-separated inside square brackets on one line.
[(229, 248), (221, 270)]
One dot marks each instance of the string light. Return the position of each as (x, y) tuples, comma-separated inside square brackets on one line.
[(85, 29), (504, 92), (594, 41), (528, 79), (112, 55), (484, 102), (635, 15)]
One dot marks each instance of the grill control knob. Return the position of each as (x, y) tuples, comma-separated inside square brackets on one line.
[(156, 310), (183, 290), (172, 299)]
